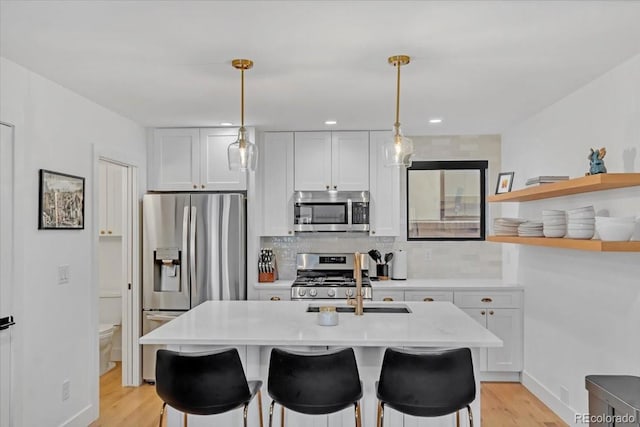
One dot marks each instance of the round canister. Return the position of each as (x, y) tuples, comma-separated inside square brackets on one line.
[(327, 316)]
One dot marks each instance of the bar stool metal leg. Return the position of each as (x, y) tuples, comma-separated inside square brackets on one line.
[(282, 416), (260, 408), (358, 415), (273, 402), (164, 406), (470, 416), (457, 418), (184, 423), (380, 420)]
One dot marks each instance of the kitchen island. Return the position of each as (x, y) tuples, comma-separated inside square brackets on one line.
[(255, 327)]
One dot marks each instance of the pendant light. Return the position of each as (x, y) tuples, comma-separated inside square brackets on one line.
[(242, 154), (398, 151)]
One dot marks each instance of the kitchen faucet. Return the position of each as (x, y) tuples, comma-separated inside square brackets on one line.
[(357, 274)]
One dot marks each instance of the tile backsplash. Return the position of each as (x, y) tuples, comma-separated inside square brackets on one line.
[(425, 259)]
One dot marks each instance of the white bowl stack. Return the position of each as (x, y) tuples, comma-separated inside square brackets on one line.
[(612, 229), (507, 226), (554, 223), (581, 223), (530, 229)]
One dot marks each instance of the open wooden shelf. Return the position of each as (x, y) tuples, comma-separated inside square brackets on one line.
[(603, 181), (585, 245)]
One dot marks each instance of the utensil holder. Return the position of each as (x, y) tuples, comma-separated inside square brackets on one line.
[(382, 271)]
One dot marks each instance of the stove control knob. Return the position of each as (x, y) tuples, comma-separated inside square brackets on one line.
[(302, 292), (349, 292), (313, 292), (331, 292)]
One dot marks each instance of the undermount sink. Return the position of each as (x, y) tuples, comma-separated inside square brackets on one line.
[(380, 308)]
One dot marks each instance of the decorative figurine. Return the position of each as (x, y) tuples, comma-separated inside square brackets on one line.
[(597, 164)]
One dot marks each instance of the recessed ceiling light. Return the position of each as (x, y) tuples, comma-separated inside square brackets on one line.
[(435, 121), (331, 122), (226, 124)]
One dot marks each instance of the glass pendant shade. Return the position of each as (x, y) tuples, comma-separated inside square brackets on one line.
[(398, 150), (242, 154)]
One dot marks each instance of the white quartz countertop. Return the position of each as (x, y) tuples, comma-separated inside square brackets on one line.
[(416, 284), (286, 323)]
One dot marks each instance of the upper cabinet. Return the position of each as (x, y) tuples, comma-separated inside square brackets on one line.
[(111, 195), (188, 159), (384, 205), (331, 161), (276, 167)]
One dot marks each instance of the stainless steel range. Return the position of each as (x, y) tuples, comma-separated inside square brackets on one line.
[(328, 277)]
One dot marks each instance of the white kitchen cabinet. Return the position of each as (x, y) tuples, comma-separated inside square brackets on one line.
[(428, 296), (214, 170), (384, 189), (111, 181), (275, 295), (331, 161), (387, 295), (193, 159), (276, 167), (501, 313), (174, 160)]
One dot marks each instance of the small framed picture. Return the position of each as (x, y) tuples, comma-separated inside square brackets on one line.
[(505, 181), (61, 201)]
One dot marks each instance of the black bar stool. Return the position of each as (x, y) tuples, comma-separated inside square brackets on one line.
[(426, 383), (204, 383), (314, 383)]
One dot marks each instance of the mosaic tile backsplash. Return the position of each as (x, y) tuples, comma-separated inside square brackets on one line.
[(425, 259)]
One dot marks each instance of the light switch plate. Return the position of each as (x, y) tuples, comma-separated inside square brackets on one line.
[(63, 274)]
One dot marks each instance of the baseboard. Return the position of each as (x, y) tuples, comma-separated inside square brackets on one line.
[(554, 403), (508, 377), (116, 355), (83, 418)]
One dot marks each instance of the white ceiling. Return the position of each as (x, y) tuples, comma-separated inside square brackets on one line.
[(481, 66)]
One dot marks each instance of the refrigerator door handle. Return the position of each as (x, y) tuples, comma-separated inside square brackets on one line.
[(192, 251), (226, 286), (185, 252)]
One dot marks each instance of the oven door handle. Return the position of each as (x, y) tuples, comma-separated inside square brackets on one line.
[(349, 212)]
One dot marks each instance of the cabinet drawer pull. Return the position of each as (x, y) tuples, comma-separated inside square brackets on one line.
[(327, 187), (290, 232), (387, 299), (335, 187), (101, 231), (491, 312), (195, 186), (428, 299), (275, 298), (109, 232), (483, 312), (202, 186), (486, 300)]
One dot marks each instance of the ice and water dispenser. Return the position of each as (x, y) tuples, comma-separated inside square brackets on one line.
[(167, 272)]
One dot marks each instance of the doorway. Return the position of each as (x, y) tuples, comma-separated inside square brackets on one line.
[(6, 274), (116, 252)]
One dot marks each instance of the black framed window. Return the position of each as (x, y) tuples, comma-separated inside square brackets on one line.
[(446, 200)]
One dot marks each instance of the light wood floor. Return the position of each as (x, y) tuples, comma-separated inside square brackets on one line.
[(503, 405)]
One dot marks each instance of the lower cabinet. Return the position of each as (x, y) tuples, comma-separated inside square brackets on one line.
[(275, 295), (501, 313)]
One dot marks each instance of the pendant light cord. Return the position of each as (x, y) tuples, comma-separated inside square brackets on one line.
[(242, 97), (397, 123)]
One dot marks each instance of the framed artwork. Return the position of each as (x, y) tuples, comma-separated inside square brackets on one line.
[(505, 181), (61, 205)]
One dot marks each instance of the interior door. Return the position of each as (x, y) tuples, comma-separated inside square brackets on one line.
[(6, 272)]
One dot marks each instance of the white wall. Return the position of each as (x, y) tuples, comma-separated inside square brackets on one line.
[(56, 324), (582, 309)]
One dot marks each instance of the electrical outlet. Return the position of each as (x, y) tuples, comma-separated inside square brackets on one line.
[(63, 274), (564, 394), (66, 389), (428, 254)]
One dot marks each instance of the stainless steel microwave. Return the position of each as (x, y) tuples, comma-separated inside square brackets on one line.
[(331, 211)]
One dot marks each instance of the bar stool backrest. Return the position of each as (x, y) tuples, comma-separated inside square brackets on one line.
[(427, 383), (201, 383)]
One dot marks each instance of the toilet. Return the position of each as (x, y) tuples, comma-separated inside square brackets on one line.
[(106, 344), (110, 321)]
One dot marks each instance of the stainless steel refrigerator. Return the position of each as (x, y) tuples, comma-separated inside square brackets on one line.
[(194, 250)]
